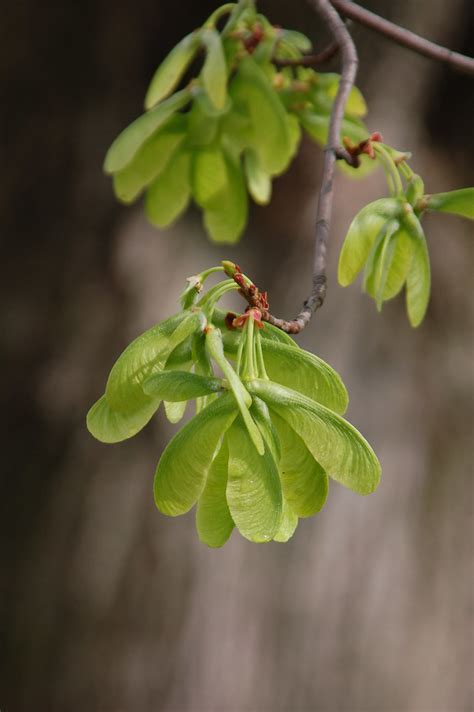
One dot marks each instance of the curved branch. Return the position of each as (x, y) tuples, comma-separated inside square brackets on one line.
[(333, 151), (404, 37), (310, 60), (349, 58)]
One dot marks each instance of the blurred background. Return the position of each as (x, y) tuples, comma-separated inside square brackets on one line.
[(109, 606)]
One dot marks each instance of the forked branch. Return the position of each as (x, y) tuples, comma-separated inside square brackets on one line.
[(348, 53), (342, 41), (404, 37)]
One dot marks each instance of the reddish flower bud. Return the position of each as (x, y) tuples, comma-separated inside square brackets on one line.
[(229, 320), (376, 136)]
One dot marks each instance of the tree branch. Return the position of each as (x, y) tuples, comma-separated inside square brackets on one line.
[(348, 52), (404, 37), (310, 60), (342, 41)]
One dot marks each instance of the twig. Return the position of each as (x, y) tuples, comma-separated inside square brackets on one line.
[(310, 60), (404, 37), (313, 60), (332, 151)]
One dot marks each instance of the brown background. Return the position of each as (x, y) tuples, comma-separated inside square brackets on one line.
[(108, 606)]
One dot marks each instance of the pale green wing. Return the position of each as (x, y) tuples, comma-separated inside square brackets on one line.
[(134, 136), (181, 355), (261, 414), (253, 489), (171, 70), (306, 373), (304, 482), (202, 128), (297, 39), (235, 129), (270, 132), (295, 133), (202, 367), (208, 174), (214, 522), (401, 261), (259, 182), (418, 278), (177, 386), (458, 202), (273, 333), (339, 448), (169, 194), (214, 71), (380, 261), (174, 408), (184, 465), (225, 214), (126, 408), (175, 405), (361, 235), (150, 160), (289, 522), (355, 105), (316, 125), (112, 426), (144, 356)]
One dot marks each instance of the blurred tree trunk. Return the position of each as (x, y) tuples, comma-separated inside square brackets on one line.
[(106, 604)]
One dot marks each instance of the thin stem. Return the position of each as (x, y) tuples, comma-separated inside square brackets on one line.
[(390, 182), (236, 14), (195, 285), (405, 37), (390, 168), (204, 275), (250, 361), (405, 170), (210, 299), (310, 60), (238, 360), (262, 371), (226, 9)]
